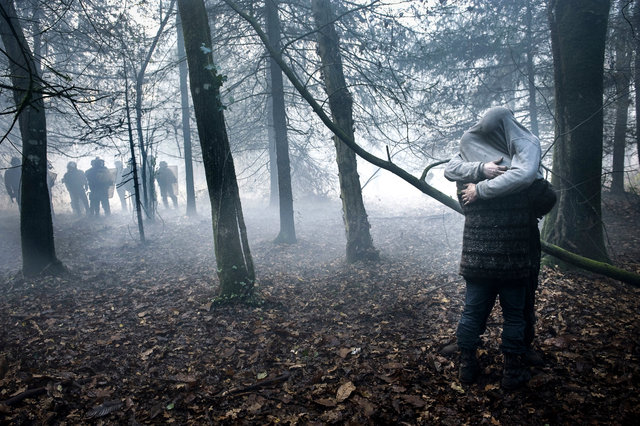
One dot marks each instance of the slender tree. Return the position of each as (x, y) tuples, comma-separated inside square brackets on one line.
[(285, 195), (622, 78), (636, 73), (359, 241), (36, 226), (186, 126), (134, 165), (148, 164), (271, 137), (578, 33), (531, 69), (233, 257)]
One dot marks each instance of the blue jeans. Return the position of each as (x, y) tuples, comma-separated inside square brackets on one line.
[(479, 300)]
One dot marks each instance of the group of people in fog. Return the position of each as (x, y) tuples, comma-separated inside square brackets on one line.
[(90, 190)]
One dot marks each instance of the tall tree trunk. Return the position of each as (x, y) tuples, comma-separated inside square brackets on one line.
[(285, 196), (578, 32), (233, 258), (132, 150), (273, 158), (531, 73), (186, 126), (359, 241), (36, 227), (147, 177), (636, 74), (622, 79)]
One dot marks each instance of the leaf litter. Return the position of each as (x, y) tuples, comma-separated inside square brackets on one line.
[(128, 336)]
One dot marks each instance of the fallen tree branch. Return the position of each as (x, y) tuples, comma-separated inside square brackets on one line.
[(279, 379), (29, 393), (591, 265), (575, 259)]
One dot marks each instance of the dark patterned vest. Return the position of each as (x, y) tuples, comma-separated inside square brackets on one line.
[(500, 239)]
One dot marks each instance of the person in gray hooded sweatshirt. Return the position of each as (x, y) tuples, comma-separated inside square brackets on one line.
[(495, 171)]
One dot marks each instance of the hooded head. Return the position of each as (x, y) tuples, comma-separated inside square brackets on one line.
[(163, 164), (490, 137), (71, 165)]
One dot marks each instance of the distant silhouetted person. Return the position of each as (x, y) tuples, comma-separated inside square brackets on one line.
[(12, 179), (99, 179), (76, 183), (166, 179)]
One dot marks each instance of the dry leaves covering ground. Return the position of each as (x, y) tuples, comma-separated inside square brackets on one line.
[(128, 336)]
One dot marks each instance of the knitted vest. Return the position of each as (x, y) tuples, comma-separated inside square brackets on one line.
[(499, 239)]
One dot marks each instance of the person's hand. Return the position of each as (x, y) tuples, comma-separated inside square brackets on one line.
[(492, 169), (469, 194)]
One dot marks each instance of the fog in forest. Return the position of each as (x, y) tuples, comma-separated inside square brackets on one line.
[(236, 212), (318, 220)]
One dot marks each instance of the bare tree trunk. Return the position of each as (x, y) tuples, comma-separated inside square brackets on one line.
[(186, 126), (622, 79), (578, 32), (531, 73), (359, 241), (132, 150), (273, 160), (36, 227), (147, 180), (636, 74), (287, 233), (233, 258)]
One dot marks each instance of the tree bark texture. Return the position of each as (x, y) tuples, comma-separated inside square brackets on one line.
[(287, 233), (273, 160), (636, 74), (233, 258), (359, 241), (186, 123), (578, 32), (622, 79), (36, 227)]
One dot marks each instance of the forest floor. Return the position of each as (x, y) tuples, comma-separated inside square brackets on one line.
[(129, 335)]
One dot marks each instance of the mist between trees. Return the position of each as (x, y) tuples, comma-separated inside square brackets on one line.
[(191, 83)]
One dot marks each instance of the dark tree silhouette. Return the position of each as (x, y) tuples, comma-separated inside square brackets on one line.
[(359, 241), (36, 227), (578, 34), (233, 258), (186, 126), (285, 195)]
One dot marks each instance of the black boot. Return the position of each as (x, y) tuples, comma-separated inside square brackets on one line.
[(533, 358), (515, 373), (469, 366)]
